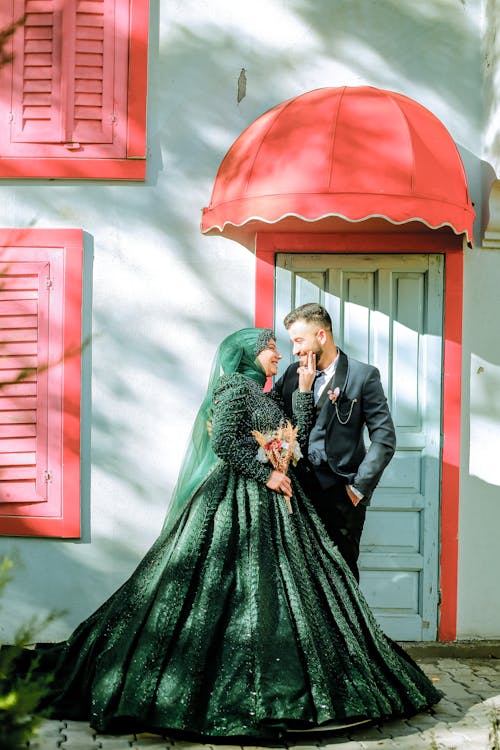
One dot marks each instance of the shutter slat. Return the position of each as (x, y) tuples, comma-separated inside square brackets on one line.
[(88, 113), (39, 19), (85, 59), (18, 334), (18, 362), (90, 6), (33, 46), (91, 100), (37, 99), (18, 282), (89, 46), (17, 472), (4, 295), (38, 33), (14, 349), (90, 33), (18, 307), (89, 74), (37, 73), (17, 459), (16, 389), (18, 430), (94, 20), (17, 417), (19, 492), (88, 86), (38, 59), (17, 445), (12, 377), (35, 86), (38, 113), (16, 402), (17, 321)]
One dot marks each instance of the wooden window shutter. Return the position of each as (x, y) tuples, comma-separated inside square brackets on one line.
[(35, 115), (24, 308), (69, 94), (40, 348), (94, 85)]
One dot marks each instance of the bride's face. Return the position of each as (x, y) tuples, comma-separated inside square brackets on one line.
[(269, 358)]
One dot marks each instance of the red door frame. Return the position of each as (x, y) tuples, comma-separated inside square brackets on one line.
[(269, 244)]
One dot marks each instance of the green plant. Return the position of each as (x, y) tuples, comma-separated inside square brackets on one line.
[(21, 690)]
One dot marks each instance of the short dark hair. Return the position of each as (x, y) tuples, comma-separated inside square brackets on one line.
[(311, 312)]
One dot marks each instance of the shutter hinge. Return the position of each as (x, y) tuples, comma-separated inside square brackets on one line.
[(47, 475), (11, 117), (440, 597), (48, 282)]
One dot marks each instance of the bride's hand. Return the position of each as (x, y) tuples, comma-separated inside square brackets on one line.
[(307, 373), (279, 482)]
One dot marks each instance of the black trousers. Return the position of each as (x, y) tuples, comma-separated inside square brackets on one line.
[(343, 521)]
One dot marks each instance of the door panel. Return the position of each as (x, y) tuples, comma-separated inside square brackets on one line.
[(387, 310)]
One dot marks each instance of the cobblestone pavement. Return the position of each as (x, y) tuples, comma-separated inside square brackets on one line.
[(468, 717)]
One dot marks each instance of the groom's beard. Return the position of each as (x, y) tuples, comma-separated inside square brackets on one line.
[(318, 351)]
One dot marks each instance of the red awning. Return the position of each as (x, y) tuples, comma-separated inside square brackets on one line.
[(337, 155)]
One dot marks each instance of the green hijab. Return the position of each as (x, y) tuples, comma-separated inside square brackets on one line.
[(237, 353)]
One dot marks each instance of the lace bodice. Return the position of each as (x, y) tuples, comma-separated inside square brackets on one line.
[(240, 406)]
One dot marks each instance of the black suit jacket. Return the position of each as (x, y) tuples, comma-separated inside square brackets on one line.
[(361, 401)]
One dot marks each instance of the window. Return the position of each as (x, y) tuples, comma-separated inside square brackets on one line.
[(40, 353), (73, 98)]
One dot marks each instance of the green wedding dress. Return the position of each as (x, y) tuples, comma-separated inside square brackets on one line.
[(242, 620)]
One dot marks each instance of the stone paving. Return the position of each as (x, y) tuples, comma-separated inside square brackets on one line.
[(468, 717)]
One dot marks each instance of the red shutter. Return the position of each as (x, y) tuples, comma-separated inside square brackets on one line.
[(69, 95), (40, 348), (93, 83), (24, 298), (37, 93)]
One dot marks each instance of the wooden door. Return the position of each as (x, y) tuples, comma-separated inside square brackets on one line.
[(387, 310)]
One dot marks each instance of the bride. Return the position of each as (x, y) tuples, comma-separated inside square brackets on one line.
[(242, 620)]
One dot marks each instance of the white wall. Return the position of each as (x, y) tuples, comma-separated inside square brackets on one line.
[(479, 551), (159, 296)]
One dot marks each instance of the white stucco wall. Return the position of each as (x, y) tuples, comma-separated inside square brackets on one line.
[(159, 296), (479, 551)]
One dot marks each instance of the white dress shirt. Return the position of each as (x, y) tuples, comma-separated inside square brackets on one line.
[(324, 377)]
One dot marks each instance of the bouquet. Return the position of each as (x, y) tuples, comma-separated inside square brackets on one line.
[(279, 448)]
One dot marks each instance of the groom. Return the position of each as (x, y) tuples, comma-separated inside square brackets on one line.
[(339, 474)]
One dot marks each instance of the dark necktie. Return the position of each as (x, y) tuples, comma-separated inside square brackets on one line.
[(319, 380)]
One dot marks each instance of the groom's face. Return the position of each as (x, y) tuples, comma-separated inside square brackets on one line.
[(305, 338)]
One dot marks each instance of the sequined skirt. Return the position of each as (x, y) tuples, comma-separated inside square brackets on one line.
[(243, 621)]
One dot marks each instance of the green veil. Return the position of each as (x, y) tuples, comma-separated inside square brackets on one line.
[(236, 353)]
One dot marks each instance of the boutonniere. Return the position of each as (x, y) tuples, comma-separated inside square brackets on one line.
[(333, 395)]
